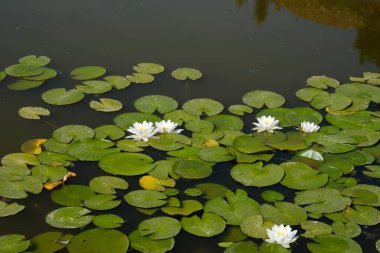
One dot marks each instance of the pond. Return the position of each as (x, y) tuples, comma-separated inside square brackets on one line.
[(239, 46)]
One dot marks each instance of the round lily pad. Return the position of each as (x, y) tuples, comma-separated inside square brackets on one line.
[(240, 109), (33, 112), (102, 202), (322, 82), (315, 228), (186, 208), (72, 195), (108, 221), (91, 149), (69, 217), (60, 96), (34, 60), (140, 78), (192, 169), (226, 122), (109, 131), (125, 120), (254, 226), (13, 243), (209, 225), (69, 133), (186, 73), (257, 175), (149, 68), (151, 103), (159, 228), (106, 105), (363, 194), (94, 87), (87, 72), (283, 213), (144, 244), (198, 106), (98, 240), (22, 70), (334, 243), (108, 184), (146, 198), (119, 82), (25, 84), (349, 229), (272, 196), (259, 98)]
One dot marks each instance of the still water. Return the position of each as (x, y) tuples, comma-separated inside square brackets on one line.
[(239, 45)]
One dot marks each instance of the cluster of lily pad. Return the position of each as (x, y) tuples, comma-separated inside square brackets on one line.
[(325, 201)]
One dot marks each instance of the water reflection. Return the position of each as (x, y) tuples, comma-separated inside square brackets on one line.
[(362, 15)]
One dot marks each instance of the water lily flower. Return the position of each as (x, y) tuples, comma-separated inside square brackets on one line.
[(281, 235), (167, 127), (142, 131), (266, 123), (308, 127)]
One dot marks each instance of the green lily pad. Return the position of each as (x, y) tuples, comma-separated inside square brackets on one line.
[(272, 196), (199, 126), (360, 120), (307, 94), (334, 101), (109, 131), (91, 149), (292, 117), (240, 109), (125, 120), (209, 225), (98, 240), (322, 200), (349, 229), (45, 75), (198, 106), (22, 70), (362, 215), (334, 244), (119, 82), (360, 90), (102, 202), (235, 209), (149, 68), (140, 78), (54, 159), (46, 172), (253, 226), (249, 144), (186, 208), (242, 247), (322, 82), (165, 143), (144, 244), (151, 103), (25, 84), (218, 154), (192, 169), (10, 209), (300, 176), (106, 105), (87, 72), (294, 142), (283, 213), (186, 73), (34, 60), (19, 159), (364, 137), (94, 87), (69, 217), (69, 133), (212, 190), (107, 184), (55, 146), (145, 198), (180, 116), (13, 172), (226, 122), (159, 228), (2, 75), (131, 145), (257, 175), (267, 247), (33, 112), (108, 221), (363, 194), (61, 96), (372, 171), (354, 157), (13, 243), (72, 195), (259, 98), (49, 242), (18, 189), (126, 164), (193, 192), (315, 228)]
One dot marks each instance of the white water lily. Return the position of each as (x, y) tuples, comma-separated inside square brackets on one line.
[(167, 127), (281, 235), (308, 127), (142, 131), (266, 123)]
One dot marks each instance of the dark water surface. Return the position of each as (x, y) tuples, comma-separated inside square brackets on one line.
[(238, 45)]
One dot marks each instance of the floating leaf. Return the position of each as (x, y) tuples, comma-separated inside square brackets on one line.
[(349, 229), (109, 131), (94, 87), (55, 159), (13, 243), (131, 145), (242, 247), (155, 184), (334, 243), (372, 171), (55, 146), (294, 142), (106, 105), (9, 209), (19, 159), (125, 120), (149, 68), (140, 78), (45, 75), (119, 82), (307, 94), (198, 106), (34, 60), (102, 202), (126, 164), (360, 90), (91, 149), (186, 73), (283, 213), (334, 102), (107, 184), (151, 103), (87, 72), (69, 217), (249, 144), (144, 244), (45, 172), (272, 248), (212, 190), (49, 242), (99, 240), (257, 175), (61, 96), (363, 194), (72, 195), (259, 98), (255, 227), (180, 116), (322, 82), (186, 208), (272, 196), (226, 122), (315, 228), (193, 192), (33, 146), (69, 133), (240, 109), (362, 215), (2, 75), (159, 228), (192, 169), (33, 112), (14, 172), (145, 198), (108, 221), (22, 70), (218, 154), (209, 225), (25, 84), (199, 126)]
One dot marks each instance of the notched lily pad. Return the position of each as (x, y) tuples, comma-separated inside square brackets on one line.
[(151, 103), (33, 112), (186, 73), (257, 175), (25, 84), (10, 209), (145, 198), (126, 164), (322, 82), (140, 78), (334, 243), (87, 72), (198, 106), (209, 225), (69, 217), (159, 228), (34, 60), (13, 243), (108, 184), (149, 68), (259, 98), (61, 96)]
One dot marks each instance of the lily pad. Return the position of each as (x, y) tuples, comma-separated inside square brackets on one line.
[(198, 106), (159, 228), (109, 131), (13, 243), (257, 175), (98, 240), (372, 171), (242, 247), (69, 217), (49, 242), (61, 96), (55, 159), (102, 202), (259, 98), (94, 87), (19, 159), (334, 244), (322, 82), (186, 73), (363, 194), (33, 112), (315, 228), (108, 221), (91, 149), (335, 101), (199, 126), (362, 215), (45, 75), (267, 247), (25, 84), (9, 209), (272, 196), (140, 78), (131, 145), (145, 198), (218, 154), (72, 195), (209, 225), (108, 184), (34, 60), (119, 82), (349, 229), (255, 227), (249, 144), (193, 192), (22, 70), (125, 120), (212, 190), (186, 208), (180, 116), (283, 213), (2, 75), (69, 133), (151, 103), (307, 94), (126, 164), (192, 169), (294, 142), (226, 122), (46, 172), (144, 244), (240, 109), (87, 72), (106, 105), (149, 68)]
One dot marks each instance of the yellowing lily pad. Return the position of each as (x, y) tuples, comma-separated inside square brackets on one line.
[(87, 72), (33, 112), (186, 73), (155, 184), (33, 146)]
